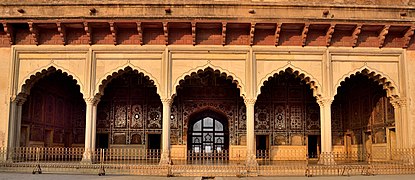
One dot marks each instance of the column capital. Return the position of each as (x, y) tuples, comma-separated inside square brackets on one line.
[(250, 101), (92, 100), (398, 102), (19, 100), (168, 101), (323, 101)]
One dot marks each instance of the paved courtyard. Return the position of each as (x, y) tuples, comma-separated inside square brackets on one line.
[(19, 176)]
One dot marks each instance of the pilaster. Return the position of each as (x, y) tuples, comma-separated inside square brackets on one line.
[(15, 115), (19, 120), (401, 123)]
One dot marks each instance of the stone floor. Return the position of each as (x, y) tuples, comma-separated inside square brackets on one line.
[(19, 176)]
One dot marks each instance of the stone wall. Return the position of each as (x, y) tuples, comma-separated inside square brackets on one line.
[(4, 93)]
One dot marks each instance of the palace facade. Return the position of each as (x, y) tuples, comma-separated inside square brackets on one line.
[(291, 78)]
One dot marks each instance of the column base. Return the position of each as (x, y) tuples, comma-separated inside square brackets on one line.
[(165, 158), (251, 166), (251, 160), (86, 161), (86, 158), (326, 159)]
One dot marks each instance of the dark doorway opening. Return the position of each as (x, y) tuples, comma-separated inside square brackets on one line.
[(48, 138), (313, 146), (154, 141), (262, 142), (102, 141)]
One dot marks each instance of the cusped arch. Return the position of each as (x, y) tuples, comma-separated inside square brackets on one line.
[(217, 113), (34, 77), (222, 72), (103, 82), (382, 79), (303, 75)]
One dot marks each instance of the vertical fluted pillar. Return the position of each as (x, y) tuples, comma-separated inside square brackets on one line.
[(326, 156), (165, 156), (89, 144), (94, 124), (250, 132)]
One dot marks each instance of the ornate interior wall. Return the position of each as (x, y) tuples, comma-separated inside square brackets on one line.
[(286, 110), (129, 109), (361, 113), (54, 113)]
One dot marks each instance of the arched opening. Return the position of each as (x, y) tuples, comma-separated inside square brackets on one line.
[(287, 116), (208, 132), (129, 114), (363, 120), (54, 113), (208, 96)]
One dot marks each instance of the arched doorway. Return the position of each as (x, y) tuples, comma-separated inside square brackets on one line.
[(54, 112), (287, 116), (129, 114), (362, 118), (201, 96), (208, 132)]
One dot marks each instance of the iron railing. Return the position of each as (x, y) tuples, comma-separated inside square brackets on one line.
[(215, 163)]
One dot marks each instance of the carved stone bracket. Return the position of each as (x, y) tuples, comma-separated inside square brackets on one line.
[(62, 32), (8, 29), (194, 33), (304, 34), (140, 33), (329, 34), (382, 35), (113, 29), (166, 33), (224, 33), (34, 31), (277, 33), (88, 31), (355, 35), (408, 36), (252, 33)]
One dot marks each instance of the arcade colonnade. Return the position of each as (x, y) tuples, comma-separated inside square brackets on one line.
[(323, 69)]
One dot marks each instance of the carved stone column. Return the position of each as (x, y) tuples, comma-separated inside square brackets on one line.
[(165, 155), (11, 129), (88, 152), (326, 156), (250, 132), (94, 124)]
